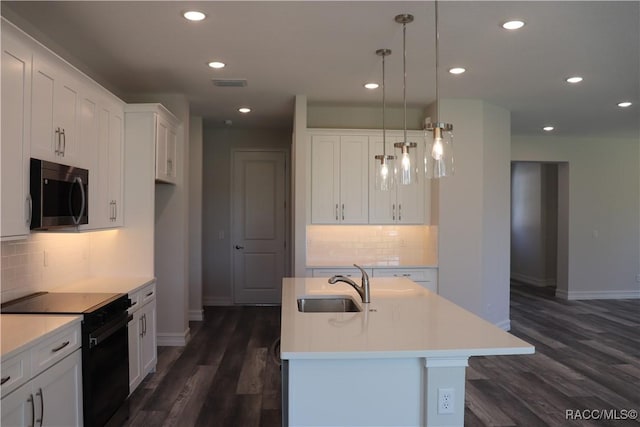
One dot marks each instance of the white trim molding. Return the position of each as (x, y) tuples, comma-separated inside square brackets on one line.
[(196, 315), (173, 339), (505, 324), (534, 281), (585, 295)]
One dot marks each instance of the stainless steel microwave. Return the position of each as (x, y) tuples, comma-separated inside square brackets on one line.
[(59, 195)]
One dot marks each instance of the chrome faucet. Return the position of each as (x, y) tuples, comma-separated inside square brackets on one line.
[(364, 290)]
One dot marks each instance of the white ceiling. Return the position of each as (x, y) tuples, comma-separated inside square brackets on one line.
[(326, 50)]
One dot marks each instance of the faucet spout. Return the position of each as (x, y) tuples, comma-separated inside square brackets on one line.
[(362, 290)]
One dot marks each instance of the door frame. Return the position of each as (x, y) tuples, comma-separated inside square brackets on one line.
[(287, 210)]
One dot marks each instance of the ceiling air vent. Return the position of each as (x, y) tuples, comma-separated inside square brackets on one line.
[(230, 82)]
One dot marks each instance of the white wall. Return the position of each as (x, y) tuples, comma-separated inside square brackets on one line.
[(195, 219), (604, 210), (216, 203), (473, 211), (340, 116)]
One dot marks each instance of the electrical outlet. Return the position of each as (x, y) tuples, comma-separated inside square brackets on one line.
[(445, 401)]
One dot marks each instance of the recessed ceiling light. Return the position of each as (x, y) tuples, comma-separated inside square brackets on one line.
[(217, 64), (624, 104), (457, 70), (244, 110), (372, 85), (516, 24), (574, 79), (194, 15), (548, 128)]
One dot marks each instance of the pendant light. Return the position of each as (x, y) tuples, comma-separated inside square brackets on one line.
[(438, 153), (385, 170), (407, 168)]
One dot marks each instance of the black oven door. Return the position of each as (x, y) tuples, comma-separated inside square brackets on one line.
[(105, 371)]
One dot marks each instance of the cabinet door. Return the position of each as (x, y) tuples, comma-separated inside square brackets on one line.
[(65, 115), (172, 155), (88, 127), (382, 204), (135, 337), (161, 149), (17, 408), (58, 393), (354, 179), (325, 179), (16, 102), (115, 167), (148, 351), (45, 142)]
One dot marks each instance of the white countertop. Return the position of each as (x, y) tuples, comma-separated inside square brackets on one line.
[(123, 285), (403, 320), (22, 330)]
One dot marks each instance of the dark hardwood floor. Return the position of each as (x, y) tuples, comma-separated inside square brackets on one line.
[(587, 358)]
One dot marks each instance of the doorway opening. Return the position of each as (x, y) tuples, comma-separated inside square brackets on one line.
[(539, 225)]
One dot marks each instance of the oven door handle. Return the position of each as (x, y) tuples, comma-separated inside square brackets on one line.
[(108, 330)]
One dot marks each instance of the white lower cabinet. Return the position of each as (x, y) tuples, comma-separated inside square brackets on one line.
[(348, 272), (43, 384), (425, 277), (142, 336)]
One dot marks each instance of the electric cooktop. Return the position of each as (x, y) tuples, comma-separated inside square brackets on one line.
[(59, 303)]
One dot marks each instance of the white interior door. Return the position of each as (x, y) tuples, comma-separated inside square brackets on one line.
[(259, 233)]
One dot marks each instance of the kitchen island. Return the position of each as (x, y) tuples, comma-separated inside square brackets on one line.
[(399, 362)]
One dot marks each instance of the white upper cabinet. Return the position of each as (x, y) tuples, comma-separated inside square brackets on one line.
[(16, 95), (339, 179), (405, 204), (54, 112), (166, 146)]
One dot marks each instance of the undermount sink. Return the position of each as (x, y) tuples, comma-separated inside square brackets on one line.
[(327, 305)]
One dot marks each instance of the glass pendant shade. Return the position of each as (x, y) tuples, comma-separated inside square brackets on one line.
[(407, 165), (385, 173), (438, 153)]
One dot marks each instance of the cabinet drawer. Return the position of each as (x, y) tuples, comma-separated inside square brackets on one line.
[(148, 293), (415, 274), (349, 272), (15, 372), (55, 348), (136, 301)]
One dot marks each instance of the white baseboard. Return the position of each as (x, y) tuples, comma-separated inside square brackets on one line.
[(196, 315), (585, 295), (534, 281), (505, 324), (217, 301), (173, 339)]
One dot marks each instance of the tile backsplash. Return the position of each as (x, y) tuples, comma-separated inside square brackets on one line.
[(41, 262), (382, 245)]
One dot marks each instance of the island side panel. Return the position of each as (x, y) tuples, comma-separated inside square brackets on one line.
[(356, 392), (445, 375)]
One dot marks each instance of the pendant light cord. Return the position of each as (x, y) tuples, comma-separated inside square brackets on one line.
[(437, 63), (384, 107), (404, 82)]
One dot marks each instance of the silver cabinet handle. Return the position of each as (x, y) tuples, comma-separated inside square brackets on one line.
[(336, 211), (141, 326), (343, 211), (169, 166), (144, 323), (239, 247), (5, 379), (29, 209), (64, 142), (149, 294), (57, 142), (115, 210), (393, 211), (57, 349), (33, 411), (39, 393), (399, 211)]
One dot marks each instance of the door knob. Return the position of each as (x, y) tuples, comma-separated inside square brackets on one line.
[(239, 247)]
